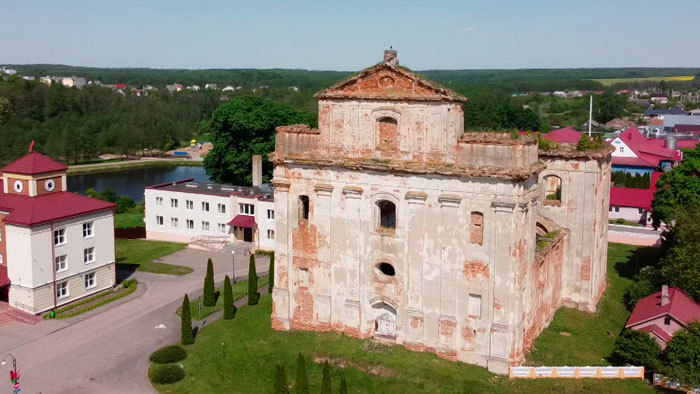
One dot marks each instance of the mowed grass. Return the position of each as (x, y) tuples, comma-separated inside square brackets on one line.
[(239, 290), (612, 81), (139, 255), (592, 336), (129, 219)]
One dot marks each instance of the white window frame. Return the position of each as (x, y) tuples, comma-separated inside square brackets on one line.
[(270, 234), (159, 201), (174, 203), (59, 237), (205, 206), (222, 228), (271, 214), (189, 224), (63, 262), (246, 209), (62, 290), (159, 220), (88, 229), (189, 205), (174, 222), (92, 276), (221, 208), (89, 255), (205, 225)]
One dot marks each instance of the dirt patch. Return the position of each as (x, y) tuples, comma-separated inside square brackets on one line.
[(366, 367)]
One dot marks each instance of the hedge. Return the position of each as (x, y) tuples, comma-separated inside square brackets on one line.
[(168, 354), (165, 373)]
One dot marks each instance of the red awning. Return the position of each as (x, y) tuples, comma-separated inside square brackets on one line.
[(244, 221)]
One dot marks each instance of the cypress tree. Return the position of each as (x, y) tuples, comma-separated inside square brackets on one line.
[(302, 383), (253, 295), (280, 386), (186, 336), (229, 308), (343, 386), (209, 297), (326, 379), (271, 274)]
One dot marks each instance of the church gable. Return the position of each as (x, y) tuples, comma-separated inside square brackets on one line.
[(388, 81)]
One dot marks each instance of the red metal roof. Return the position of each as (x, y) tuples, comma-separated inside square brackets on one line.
[(4, 279), (32, 164), (244, 221), (686, 144), (566, 135), (658, 331), (47, 208), (634, 162), (635, 198), (680, 307)]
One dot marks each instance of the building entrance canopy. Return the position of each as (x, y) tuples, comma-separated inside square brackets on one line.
[(243, 221)]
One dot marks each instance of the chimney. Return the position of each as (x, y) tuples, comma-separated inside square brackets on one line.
[(257, 170), (665, 298), (391, 57)]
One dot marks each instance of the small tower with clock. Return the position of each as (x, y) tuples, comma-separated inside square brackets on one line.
[(34, 175)]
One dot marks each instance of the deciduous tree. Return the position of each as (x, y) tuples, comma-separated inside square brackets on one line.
[(637, 348), (682, 355), (680, 186)]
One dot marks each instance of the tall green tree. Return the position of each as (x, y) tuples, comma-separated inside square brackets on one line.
[(209, 291), (680, 262), (301, 385), (244, 127), (186, 336), (271, 274), (680, 186), (326, 379), (229, 307), (609, 106), (637, 348), (253, 295), (682, 355), (280, 385)]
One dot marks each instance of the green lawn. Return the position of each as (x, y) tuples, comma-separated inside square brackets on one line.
[(139, 255), (131, 218), (593, 335), (240, 290)]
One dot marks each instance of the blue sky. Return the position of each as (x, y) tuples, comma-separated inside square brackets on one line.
[(350, 35)]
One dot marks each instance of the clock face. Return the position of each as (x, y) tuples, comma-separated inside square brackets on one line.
[(18, 186), (50, 185)]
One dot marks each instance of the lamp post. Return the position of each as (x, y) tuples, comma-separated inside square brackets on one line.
[(14, 361), (233, 255), (14, 374)]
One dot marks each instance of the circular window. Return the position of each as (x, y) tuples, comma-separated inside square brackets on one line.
[(19, 186), (386, 269), (50, 185)]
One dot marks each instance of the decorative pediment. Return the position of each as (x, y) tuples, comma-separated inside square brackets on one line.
[(387, 81)]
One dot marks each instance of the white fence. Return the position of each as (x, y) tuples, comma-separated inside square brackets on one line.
[(577, 372)]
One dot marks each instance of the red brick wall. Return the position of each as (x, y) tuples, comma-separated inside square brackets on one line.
[(41, 185), (11, 186)]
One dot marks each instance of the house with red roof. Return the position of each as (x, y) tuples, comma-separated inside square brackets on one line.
[(637, 155), (55, 246), (633, 205), (566, 135), (663, 313)]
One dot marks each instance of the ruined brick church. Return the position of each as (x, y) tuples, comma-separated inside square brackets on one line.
[(394, 223)]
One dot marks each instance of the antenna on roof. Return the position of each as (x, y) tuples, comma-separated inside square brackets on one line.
[(31, 147)]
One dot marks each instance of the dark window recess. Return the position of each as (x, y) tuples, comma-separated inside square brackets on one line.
[(667, 321), (304, 207), (387, 214), (386, 269)]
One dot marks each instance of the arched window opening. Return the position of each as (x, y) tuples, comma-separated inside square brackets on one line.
[(386, 269), (387, 215), (552, 188), (476, 232), (387, 130), (303, 208)]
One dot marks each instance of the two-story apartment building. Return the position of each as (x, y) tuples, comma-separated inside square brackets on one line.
[(55, 246), (185, 211)]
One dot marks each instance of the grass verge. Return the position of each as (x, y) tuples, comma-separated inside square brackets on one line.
[(240, 290), (133, 164), (139, 255), (106, 297), (130, 218)]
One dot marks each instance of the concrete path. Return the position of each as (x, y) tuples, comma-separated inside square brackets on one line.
[(108, 352)]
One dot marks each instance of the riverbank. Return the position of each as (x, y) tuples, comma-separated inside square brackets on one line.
[(131, 164)]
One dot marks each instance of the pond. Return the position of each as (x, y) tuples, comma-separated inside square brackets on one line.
[(132, 182)]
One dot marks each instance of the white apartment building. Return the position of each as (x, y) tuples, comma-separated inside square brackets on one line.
[(185, 211)]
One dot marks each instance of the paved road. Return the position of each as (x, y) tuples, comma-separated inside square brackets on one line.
[(108, 353)]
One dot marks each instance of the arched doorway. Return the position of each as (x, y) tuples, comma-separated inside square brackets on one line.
[(384, 320)]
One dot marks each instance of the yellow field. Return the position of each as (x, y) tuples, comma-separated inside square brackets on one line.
[(612, 81)]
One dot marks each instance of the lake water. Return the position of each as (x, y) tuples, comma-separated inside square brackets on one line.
[(131, 183)]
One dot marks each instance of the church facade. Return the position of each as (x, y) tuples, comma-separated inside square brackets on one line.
[(393, 223)]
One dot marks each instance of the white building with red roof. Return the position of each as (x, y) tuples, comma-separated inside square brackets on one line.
[(663, 313), (633, 204), (637, 155), (55, 246)]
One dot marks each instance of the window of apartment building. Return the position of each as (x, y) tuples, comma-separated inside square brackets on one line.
[(59, 236), (173, 222), (271, 214), (246, 209), (476, 230), (62, 290), (88, 230), (205, 226), (617, 209), (270, 234), (159, 220), (189, 204), (61, 263), (159, 201), (173, 203), (89, 255), (222, 228), (90, 280), (303, 208), (387, 215), (190, 224), (205, 206), (221, 208), (640, 210)]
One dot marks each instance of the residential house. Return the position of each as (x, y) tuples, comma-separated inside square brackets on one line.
[(210, 86), (631, 204), (664, 313), (566, 135), (619, 124), (671, 121), (55, 246), (228, 88), (652, 113), (46, 80), (659, 98), (28, 78), (635, 154)]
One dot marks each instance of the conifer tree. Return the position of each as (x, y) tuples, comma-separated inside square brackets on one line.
[(326, 379), (209, 297), (302, 383), (253, 295), (229, 308), (280, 386), (271, 274), (343, 386), (186, 336)]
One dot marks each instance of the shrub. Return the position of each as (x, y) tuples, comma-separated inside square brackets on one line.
[(229, 308), (271, 274), (165, 373), (209, 290), (280, 386), (343, 386), (326, 379), (124, 204), (129, 283), (301, 385), (186, 336), (168, 354), (637, 348), (253, 295), (683, 355)]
